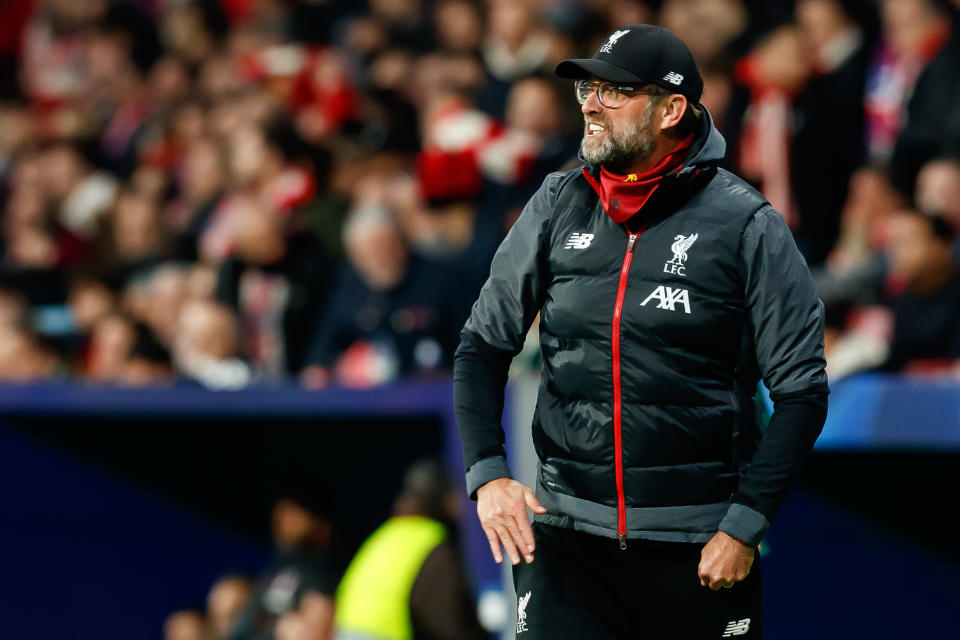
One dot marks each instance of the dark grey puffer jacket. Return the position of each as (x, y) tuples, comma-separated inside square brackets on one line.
[(653, 335)]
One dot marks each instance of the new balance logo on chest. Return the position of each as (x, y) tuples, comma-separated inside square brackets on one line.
[(669, 298), (578, 240)]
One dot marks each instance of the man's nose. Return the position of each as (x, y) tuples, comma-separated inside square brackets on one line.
[(592, 104)]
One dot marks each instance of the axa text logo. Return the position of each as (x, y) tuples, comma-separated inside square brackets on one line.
[(669, 298)]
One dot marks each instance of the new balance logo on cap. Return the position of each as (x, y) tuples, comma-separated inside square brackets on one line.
[(737, 628), (638, 54), (673, 78), (613, 40), (578, 240)]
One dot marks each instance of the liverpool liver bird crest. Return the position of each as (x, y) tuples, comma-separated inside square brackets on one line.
[(680, 246), (522, 613), (616, 35), (522, 607)]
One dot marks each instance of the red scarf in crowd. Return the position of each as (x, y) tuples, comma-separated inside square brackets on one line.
[(766, 136), (623, 196)]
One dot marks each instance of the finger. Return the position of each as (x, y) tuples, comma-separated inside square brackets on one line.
[(517, 537), (526, 534), (532, 503), (494, 544), (508, 545), (720, 583), (703, 574), (707, 580)]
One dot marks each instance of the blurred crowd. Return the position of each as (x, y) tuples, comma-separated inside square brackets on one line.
[(230, 192)]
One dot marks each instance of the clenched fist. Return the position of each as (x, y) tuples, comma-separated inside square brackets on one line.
[(724, 561)]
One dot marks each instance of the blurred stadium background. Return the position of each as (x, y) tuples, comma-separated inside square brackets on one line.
[(238, 239)]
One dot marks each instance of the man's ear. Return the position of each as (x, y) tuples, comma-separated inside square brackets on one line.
[(673, 109)]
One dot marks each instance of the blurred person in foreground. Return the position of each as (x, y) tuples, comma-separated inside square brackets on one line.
[(228, 598), (185, 624), (666, 289), (407, 581), (294, 596)]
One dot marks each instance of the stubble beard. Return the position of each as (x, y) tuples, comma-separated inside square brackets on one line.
[(623, 148)]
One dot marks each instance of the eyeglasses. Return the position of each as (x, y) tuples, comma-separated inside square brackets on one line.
[(611, 96)]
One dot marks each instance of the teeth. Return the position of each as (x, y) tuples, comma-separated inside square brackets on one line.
[(595, 127)]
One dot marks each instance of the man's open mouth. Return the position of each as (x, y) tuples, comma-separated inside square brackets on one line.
[(594, 129)]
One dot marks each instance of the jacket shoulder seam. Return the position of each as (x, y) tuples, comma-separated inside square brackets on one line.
[(564, 178)]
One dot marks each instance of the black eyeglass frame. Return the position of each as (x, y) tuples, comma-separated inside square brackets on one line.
[(620, 93)]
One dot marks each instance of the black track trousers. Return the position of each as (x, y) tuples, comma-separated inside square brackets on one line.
[(584, 587)]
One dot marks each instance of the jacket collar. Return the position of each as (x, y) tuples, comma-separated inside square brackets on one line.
[(705, 154)]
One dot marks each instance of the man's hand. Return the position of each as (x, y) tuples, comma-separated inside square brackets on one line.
[(724, 561), (502, 507)]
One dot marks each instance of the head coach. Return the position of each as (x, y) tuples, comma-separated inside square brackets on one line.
[(667, 288)]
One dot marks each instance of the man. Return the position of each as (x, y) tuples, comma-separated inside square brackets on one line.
[(666, 288), (407, 581), (299, 583), (926, 313), (388, 310)]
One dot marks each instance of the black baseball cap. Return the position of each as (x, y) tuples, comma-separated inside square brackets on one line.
[(640, 53)]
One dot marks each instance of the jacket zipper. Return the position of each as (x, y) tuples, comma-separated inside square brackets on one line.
[(617, 431)]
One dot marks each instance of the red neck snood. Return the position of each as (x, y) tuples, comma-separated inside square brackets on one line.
[(623, 196)]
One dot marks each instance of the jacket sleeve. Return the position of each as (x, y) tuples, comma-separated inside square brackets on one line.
[(786, 319), (494, 333)]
